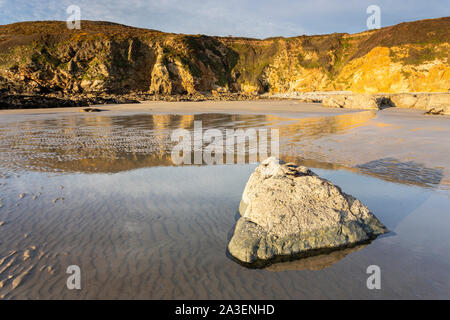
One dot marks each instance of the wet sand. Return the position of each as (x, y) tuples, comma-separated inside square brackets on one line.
[(99, 190), (309, 132), (276, 107), (162, 232)]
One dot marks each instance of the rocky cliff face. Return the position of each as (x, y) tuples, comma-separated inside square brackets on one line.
[(101, 57)]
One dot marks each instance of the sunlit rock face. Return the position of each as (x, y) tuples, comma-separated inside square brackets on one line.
[(432, 103), (352, 101), (287, 210), (101, 57)]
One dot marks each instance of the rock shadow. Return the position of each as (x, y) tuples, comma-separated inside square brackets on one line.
[(313, 260), (405, 172)]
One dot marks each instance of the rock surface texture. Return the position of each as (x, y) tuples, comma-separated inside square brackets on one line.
[(432, 103), (352, 101), (287, 210)]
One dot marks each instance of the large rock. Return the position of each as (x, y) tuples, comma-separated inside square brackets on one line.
[(433, 103), (404, 100), (352, 101), (288, 210)]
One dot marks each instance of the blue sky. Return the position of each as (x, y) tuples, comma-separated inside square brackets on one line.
[(251, 18)]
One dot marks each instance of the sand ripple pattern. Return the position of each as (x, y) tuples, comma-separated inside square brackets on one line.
[(100, 192)]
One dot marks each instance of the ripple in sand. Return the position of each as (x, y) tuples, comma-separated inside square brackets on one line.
[(161, 232)]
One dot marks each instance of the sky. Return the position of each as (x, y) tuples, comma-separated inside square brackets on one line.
[(247, 18)]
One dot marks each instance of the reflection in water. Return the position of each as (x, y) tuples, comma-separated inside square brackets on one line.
[(160, 232), (317, 262), (101, 143), (313, 128), (112, 144)]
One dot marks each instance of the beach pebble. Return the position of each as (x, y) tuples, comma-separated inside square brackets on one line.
[(26, 255), (50, 270)]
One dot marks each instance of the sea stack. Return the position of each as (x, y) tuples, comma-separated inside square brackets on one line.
[(287, 210)]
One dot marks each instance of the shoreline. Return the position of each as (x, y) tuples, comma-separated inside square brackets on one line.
[(433, 103), (276, 107)]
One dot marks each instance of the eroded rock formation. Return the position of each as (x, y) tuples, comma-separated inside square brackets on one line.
[(45, 58), (288, 210)]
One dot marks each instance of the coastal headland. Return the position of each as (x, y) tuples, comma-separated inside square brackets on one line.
[(44, 64)]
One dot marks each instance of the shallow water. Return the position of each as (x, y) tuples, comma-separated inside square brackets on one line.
[(100, 192)]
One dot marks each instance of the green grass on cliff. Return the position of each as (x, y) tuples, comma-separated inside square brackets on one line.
[(253, 58), (421, 54), (422, 32)]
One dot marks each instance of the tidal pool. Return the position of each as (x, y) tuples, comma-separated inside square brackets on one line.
[(100, 191)]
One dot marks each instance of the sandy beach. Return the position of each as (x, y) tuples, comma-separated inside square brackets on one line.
[(264, 106), (100, 190), (363, 136)]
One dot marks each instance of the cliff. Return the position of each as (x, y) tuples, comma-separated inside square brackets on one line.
[(45, 58)]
